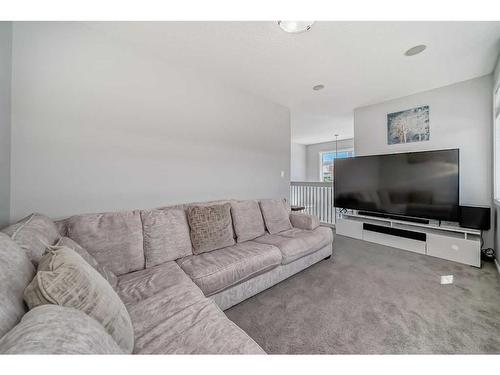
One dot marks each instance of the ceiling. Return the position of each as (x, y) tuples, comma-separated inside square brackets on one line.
[(360, 63)]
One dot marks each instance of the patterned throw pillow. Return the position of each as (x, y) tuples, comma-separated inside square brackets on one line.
[(64, 278), (103, 270), (211, 227)]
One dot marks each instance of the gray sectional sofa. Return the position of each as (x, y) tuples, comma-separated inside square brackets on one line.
[(148, 281)]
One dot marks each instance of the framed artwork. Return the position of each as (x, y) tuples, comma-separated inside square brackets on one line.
[(411, 125)]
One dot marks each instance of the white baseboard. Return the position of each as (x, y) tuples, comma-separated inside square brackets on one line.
[(498, 265)]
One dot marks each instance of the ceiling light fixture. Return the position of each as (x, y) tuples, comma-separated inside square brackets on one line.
[(416, 50), (295, 26), (318, 87)]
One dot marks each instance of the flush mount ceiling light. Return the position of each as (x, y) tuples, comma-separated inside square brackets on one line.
[(416, 50), (318, 87), (295, 26)]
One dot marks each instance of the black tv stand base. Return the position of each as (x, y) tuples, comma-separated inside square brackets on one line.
[(394, 217)]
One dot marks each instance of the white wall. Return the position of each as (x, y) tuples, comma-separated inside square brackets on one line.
[(460, 117), (98, 125), (5, 126), (298, 162), (496, 204), (313, 158)]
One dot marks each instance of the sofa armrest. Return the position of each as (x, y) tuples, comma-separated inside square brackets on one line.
[(304, 221)]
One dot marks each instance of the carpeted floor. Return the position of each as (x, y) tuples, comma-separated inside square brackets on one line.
[(376, 299)]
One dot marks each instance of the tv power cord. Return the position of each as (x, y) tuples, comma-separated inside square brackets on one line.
[(487, 254)]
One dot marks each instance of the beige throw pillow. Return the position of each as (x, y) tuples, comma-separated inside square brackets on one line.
[(103, 270), (64, 278), (211, 227)]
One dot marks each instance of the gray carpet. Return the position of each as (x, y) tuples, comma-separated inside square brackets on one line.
[(372, 299)]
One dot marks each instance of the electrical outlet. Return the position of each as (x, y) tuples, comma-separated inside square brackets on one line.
[(282, 174), (447, 279)]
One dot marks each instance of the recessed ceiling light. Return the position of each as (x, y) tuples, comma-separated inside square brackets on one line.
[(295, 26), (415, 50), (318, 87)]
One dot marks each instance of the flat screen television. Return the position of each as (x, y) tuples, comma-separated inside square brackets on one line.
[(414, 184)]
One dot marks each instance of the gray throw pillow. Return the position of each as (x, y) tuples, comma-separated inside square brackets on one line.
[(211, 227), (276, 215), (102, 269), (247, 220), (51, 329), (64, 278)]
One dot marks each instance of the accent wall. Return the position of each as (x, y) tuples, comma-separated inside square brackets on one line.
[(100, 124)]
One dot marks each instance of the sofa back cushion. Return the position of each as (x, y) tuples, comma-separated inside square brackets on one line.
[(211, 227), (276, 215), (64, 278), (34, 233), (166, 235), (52, 329), (247, 220), (103, 270), (16, 272), (114, 239)]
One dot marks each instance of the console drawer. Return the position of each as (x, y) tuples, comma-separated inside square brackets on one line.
[(349, 228), (455, 249), (395, 241)]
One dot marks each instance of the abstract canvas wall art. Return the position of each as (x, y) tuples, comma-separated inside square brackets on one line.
[(411, 125)]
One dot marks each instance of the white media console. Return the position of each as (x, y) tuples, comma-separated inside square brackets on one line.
[(435, 239)]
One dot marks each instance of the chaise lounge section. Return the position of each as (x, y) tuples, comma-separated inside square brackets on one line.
[(174, 269)]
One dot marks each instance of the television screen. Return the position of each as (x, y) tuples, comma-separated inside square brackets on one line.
[(417, 184)]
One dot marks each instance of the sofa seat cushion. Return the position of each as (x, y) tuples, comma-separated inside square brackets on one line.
[(167, 279), (114, 239), (199, 328), (170, 315), (34, 233), (16, 272), (52, 329), (220, 269), (153, 294), (296, 243)]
